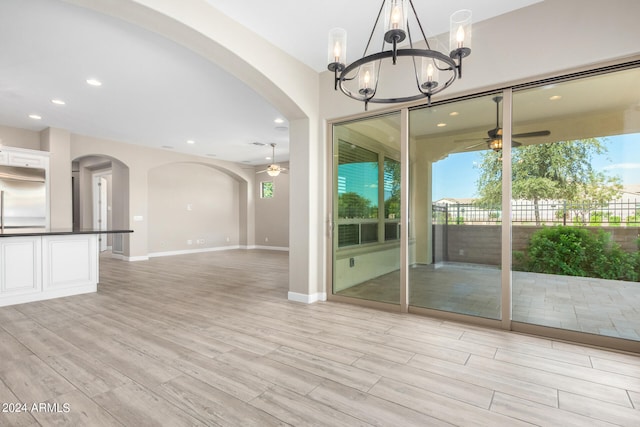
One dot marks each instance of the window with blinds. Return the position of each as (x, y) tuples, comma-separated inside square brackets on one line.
[(359, 196)]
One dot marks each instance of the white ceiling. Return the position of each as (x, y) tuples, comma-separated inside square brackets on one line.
[(159, 94)]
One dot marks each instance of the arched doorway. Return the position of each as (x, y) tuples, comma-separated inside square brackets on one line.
[(100, 189)]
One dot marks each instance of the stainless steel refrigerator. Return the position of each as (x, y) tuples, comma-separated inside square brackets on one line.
[(23, 197)]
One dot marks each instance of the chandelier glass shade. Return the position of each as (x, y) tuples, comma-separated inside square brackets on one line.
[(433, 71)]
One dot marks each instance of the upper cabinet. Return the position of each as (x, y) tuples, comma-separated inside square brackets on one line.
[(23, 157)]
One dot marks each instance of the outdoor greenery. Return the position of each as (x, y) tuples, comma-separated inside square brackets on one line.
[(556, 171), (266, 189), (576, 251), (353, 205), (634, 219), (392, 183)]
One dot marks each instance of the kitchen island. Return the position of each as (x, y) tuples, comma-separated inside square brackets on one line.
[(38, 264)]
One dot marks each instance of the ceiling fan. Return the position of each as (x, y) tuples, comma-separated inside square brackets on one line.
[(273, 169), (494, 141)]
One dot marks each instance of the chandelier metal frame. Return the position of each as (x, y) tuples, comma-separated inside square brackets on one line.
[(452, 64)]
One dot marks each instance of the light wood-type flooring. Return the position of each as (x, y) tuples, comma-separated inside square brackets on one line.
[(210, 339)]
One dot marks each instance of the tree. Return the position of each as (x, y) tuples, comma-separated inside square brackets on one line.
[(560, 171), (353, 205), (392, 186)]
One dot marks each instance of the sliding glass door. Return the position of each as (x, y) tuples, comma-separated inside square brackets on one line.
[(536, 229), (454, 231), (366, 209), (576, 205)]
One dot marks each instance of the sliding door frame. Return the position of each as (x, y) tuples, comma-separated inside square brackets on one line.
[(505, 323)]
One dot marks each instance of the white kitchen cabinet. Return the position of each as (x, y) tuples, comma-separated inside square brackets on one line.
[(27, 160), (69, 261), (34, 268), (24, 157), (20, 268)]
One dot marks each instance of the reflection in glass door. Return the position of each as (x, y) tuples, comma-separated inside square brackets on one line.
[(455, 225), (366, 209), (576, 206)]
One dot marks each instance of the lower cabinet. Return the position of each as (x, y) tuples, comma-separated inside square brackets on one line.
[(69, 261), (20, 266), (44, 267)]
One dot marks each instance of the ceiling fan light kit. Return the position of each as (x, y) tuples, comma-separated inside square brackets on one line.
[(494, 140), (273, 169), (428, 64)]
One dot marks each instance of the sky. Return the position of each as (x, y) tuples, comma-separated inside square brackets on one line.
[(456, 176)]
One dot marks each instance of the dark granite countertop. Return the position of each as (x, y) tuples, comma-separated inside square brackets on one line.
[(22, 232)]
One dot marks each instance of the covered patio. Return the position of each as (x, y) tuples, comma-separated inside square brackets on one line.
[(597, 306)]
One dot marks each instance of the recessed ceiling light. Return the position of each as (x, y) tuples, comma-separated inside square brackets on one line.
[(94, 82), (441, 125), (191, 141), (278, 120), (453, 113), (555, 97), (35, 116), (259, 144), (268, 158), (58, 101)]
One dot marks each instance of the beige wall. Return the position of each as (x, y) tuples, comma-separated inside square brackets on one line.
[(132, 196), (21, 138), (57, 143), (272, 215), (192, 207)]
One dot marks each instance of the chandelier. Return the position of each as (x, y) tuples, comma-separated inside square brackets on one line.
[(428, 64)]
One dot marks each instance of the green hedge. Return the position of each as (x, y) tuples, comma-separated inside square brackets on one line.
[(576, 251)]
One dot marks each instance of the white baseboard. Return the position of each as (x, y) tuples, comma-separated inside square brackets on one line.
[(193, 251), (271, 248), (307, 298), (122, 257), (132, 258)]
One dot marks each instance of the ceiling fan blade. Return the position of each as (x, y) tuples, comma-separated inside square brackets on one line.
[(467, 139), (475, 145), (531, 134)]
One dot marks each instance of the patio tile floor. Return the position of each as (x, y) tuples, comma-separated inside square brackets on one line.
[(597, 306)]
